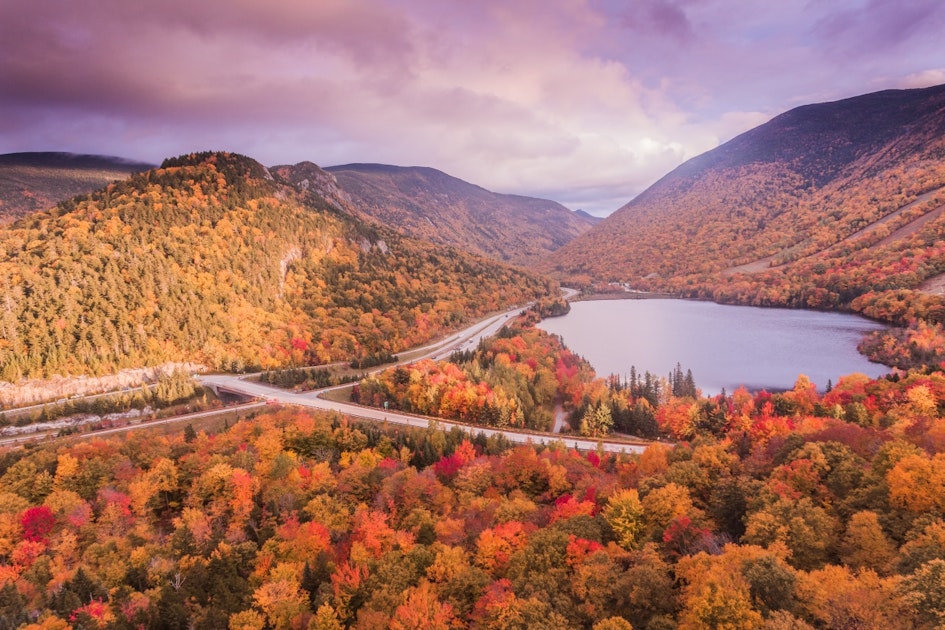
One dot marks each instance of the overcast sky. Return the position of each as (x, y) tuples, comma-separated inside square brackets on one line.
[(586, 102)]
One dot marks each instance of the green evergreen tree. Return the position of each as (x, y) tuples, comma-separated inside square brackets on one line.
[(189, 433)]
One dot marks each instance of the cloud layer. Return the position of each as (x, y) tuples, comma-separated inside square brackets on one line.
[(583, 101)]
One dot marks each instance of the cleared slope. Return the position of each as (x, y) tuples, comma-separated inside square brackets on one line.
[(899, 224)]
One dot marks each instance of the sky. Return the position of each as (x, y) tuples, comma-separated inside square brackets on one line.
[(586, 102)]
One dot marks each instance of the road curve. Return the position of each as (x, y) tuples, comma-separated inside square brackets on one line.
[(466, 339), (312, 400)]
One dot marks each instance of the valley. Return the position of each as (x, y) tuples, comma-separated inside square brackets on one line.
[(429, 204), (480, 473)]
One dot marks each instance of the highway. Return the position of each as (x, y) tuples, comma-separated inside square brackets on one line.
[(19, 440), (463, 340), (467, 339)]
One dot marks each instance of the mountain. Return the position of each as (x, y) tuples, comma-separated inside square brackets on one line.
[(208, 259), (818, 207), (590, 217), (429, 204), (38, 181)]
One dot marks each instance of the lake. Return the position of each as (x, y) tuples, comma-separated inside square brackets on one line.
[(724, 346)]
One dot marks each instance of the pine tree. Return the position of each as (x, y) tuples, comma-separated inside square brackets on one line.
[(689, 385), (12, 607)]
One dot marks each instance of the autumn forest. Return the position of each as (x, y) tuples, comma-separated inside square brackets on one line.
[(793, 510), (782, 510)]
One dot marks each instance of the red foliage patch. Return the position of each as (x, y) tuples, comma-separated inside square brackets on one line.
[(448, 466), (37, 522)]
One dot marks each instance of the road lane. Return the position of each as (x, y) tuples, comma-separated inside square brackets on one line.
[(312, 400), (19, 440), (466, 339)]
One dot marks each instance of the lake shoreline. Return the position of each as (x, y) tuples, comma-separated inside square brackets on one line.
[(725, 345), (594, 297), (652, 295)]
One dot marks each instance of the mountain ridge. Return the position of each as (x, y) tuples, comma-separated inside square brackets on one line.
[(767, 141), (34, 181), (798, 185), (417, 201), (428, 203), (209, 259), (66, 158)]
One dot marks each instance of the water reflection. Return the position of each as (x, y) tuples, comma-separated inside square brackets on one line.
[(724, 346)]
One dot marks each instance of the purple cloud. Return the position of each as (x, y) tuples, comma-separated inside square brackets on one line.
[(583, 101)]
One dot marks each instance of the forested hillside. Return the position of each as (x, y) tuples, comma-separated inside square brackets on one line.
[(208, 259), (429, 204), (30, 182), (794, 510), (511, 380), (524, 375), (820, 206)]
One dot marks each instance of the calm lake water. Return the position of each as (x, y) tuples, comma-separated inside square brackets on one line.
[(724, 346)]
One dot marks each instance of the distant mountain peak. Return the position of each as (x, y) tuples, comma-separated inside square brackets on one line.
[(590, 217), (231, 164), (433, 205), (60, 159)]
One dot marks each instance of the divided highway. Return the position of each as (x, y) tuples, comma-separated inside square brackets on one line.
[(466, 339)]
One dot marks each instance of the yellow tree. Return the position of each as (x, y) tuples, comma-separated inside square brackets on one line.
[(154, 487), (804, 395), (721, 607), (664, 504), (917, 484), (612, 623), (838, 598), (865, 544), (422, 610), (281, 599), (732, 589), (624, 514), (809, 531), (597, 420)]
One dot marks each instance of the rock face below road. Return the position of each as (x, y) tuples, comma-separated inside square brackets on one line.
[(76, 421), (34, 392)]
